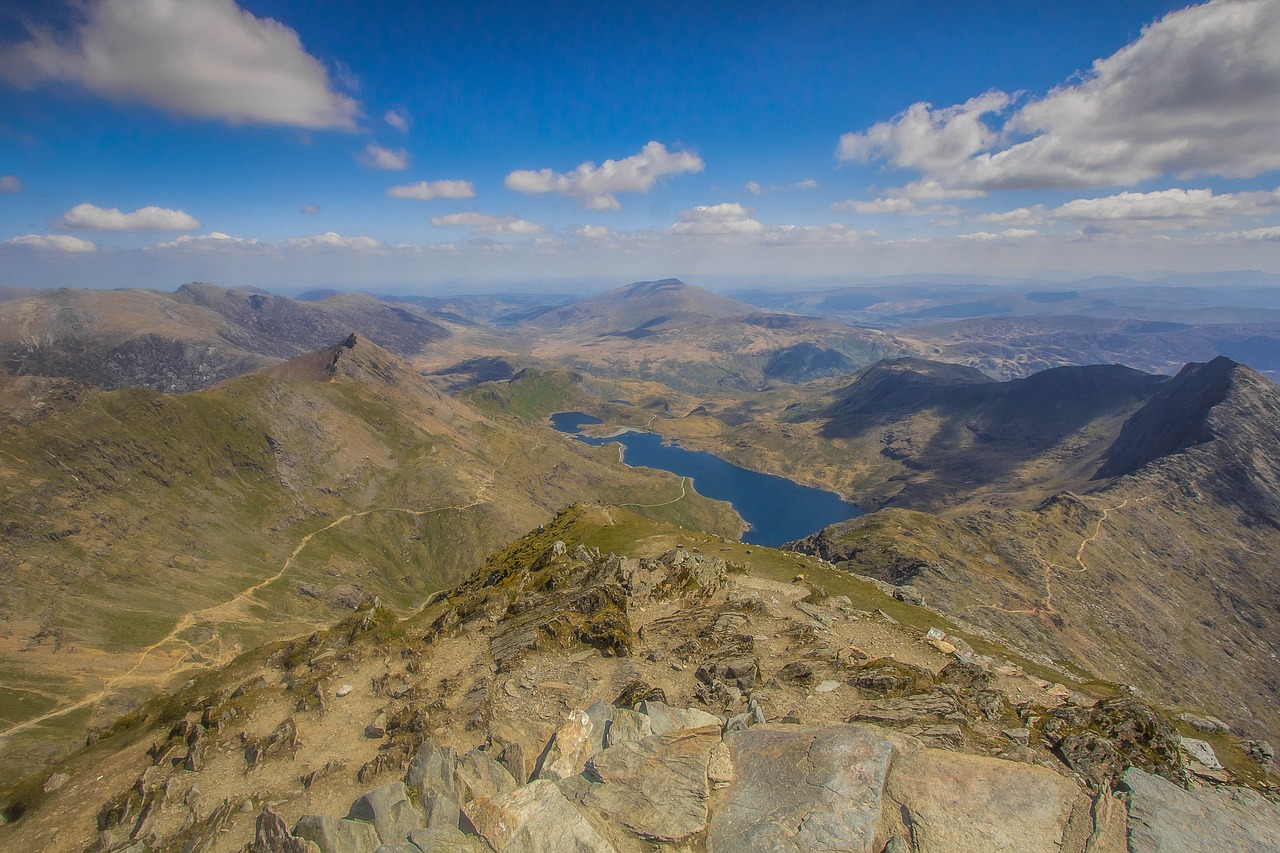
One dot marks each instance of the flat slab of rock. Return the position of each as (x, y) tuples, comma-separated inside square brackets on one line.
[(656, 787), (333, 835), (663, 718), (1164, 818), (627, 726), (536, 819), (802, 790), (390, 811), (446, 841), (956, 803), (908, 709), (569, 748)]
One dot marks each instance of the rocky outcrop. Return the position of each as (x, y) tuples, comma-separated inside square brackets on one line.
[(1164, 817)]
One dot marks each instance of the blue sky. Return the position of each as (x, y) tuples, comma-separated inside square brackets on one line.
[(400, 145)]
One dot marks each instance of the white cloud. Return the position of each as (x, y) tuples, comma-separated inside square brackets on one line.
[(754, 188), (376, 157), (1176, 208), (807, 184), (1035, 215), (709, 219), (809, 235), (213, 241), (10, 184), (89, 217), (333, 240), (483, 223), (1198, 93), (309, 209), (929, 189), (900, 206), (1007, 234), (594, 186), (398, 119), (52, 243), (593, 232), (204, 58), (427, 190)]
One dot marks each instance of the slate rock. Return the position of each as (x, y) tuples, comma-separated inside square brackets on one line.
[(663, 718), (536, 819), (601, 714), (1164, 818), (741, 672), (656, 787), (333, 835), (445, 841), (481, 776), (271, 835), (390, 811), (434, 768), (956, 803), (906, 710), (627, 726), (802, 790), (1200, 751), (568, 750)]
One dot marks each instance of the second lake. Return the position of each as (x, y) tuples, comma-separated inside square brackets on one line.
[(777, 509)]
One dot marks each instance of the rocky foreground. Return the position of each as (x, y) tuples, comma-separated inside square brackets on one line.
[(700, 698)]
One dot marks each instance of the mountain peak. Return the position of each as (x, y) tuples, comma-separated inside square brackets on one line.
[(353, 358)]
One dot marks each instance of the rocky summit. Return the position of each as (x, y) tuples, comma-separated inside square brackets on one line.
[(695, 694)]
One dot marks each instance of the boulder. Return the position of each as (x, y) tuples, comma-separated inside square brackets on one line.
[(802, 789), (627, 726), (1163, 817), (481, 776), (536, 819), (390, 811), (445, 841), (434, 768), (956, 803), (601, 715), (333, 835), (656, 787), (906, 710), (741, 672), (1198, 750), (568, 750), (663, 718)]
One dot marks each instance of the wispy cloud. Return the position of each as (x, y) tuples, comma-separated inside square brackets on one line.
[(427, 190), (399, 119), (10, 184), (376, 157), (484, 223), (594, 186), (204, 58), (53, 243)]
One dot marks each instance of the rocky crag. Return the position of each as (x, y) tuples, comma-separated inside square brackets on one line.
[(695, 695)]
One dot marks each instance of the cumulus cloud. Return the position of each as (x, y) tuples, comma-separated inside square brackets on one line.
[(376, 157), (10, 184), (880, 205), (711, 219), (594, 186), (1198, 93), (89, 217), (484, 223), (398, 119), (1178, 208), (52, 243), (204, 58), (427, 190)]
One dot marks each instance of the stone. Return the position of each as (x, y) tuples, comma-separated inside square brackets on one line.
[(536, 819), (797, 673), (741, 672), (568, 750), (440, 812), (802, 790), (720, 766), (1206, 724), (627, 726), (55, 781), (344, 690), (949, 733), (956, 803), (897, 844), (272, 836), (965, 675), (1200, 751), (1163, 818), (377, 728), (663, 718), (656, 787), (601, 714), (1260, 751), (906, 710), (908, 594), (826, 686), (481, 776), (1022, 736), (390, 811), (434, 768), (332, 835), (398, 847), (444, 841)]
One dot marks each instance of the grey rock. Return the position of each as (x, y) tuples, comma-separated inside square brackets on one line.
[(601, 715), (826, 686), (537, 819), (445, 841), (1200, 751), (896, 844), (757, 715), (663, 718), (272, 836), (948, 733), (1164, 818), (956, 803), (377, 728), (481, 776), (741, 672), (440, 812), (905, 710), (568, 750), (908, 594), (627, 726), (720, 766), (802, 789), (434, 768), (390, 811), (1260, 751), (1206, 724), (332, 835), (657, 787), (398, 847), (1022, 736)]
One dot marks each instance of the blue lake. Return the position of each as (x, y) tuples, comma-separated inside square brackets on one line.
[(777, 509)]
